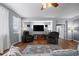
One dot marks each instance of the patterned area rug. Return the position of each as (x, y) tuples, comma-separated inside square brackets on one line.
[(39, 50)]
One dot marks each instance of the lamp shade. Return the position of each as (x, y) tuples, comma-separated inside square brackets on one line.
[(55, 4), (48, 5)]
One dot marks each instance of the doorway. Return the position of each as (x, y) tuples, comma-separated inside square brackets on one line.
[(61, 30)]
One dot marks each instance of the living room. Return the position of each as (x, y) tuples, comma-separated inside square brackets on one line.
[(36, 31)]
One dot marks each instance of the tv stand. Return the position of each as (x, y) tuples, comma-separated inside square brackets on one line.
[(37, 36)]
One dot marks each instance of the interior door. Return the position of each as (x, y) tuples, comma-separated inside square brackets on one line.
[(61, 30)]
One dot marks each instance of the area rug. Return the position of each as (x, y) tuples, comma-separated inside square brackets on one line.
[(39, 50)]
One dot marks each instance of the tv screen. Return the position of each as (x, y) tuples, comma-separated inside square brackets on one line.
[(38, 27)]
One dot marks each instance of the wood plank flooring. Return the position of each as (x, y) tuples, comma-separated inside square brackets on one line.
[(68, 44), (39, 40), (65, 44)]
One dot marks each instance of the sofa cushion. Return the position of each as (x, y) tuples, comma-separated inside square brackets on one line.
[(13, 51), (65, 52)]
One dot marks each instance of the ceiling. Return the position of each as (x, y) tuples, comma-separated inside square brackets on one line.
[(64, 10)]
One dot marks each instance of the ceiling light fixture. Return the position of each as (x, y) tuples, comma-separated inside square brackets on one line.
[(48, 5)]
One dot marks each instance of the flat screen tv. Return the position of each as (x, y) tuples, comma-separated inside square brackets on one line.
[(38, 27)]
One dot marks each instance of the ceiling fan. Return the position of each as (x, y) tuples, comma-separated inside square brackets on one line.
[(48, 5)]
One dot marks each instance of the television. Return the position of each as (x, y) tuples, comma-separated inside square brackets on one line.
[(38, 27)]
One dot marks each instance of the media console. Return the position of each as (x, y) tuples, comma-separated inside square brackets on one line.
[(39, 35)]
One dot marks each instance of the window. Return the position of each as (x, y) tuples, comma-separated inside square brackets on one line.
[(16, 24)]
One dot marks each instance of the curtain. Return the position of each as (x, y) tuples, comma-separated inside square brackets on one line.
[(4, 29)]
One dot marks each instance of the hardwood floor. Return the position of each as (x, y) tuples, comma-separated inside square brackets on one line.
[(39, 40), (65, 44), (68, 44)]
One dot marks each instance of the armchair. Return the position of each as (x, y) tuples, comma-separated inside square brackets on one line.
[(26, 37), (53, 37)]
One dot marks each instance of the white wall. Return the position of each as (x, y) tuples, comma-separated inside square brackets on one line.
[(39, 21), (31, 23)]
